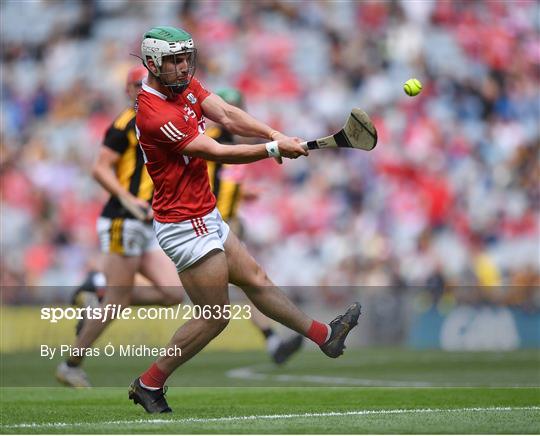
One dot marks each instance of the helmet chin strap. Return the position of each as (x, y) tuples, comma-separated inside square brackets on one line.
[(177, 89)]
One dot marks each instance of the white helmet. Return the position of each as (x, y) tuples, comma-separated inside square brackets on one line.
[(163, 41)]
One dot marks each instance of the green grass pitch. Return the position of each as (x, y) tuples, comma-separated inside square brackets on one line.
[(365, 391)]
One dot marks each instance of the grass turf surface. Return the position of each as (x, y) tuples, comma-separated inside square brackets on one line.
[(207, 400)]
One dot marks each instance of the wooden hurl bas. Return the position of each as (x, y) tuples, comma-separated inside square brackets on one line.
[(358, 132)]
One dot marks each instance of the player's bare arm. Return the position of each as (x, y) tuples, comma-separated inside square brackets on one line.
[(104, 173), (209, 149), (237, 121)]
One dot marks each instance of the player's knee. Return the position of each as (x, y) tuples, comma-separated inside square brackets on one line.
[(222, 322), (217, 324)]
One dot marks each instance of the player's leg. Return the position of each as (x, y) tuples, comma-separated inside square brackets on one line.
[(246, 273), (270, 300), (90, 293), (196, 248), (264, 324), (163, 286), (145, 293), (119, 271), (206, 283), (157, 281), (141, 254), (279, 349), (122, 243)]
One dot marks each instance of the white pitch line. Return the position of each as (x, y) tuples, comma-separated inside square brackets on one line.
[(247, 373), (254, 372), (270, 417)]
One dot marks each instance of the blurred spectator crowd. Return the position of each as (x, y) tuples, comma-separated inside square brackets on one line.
[(448, 199)]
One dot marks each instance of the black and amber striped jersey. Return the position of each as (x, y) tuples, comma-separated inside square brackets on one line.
[(226, 190), (130, 169)]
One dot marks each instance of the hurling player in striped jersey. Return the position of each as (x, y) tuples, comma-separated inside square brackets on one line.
[(127, 239)]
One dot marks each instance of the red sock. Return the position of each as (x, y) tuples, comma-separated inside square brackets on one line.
[(153, 377), (318, 332)]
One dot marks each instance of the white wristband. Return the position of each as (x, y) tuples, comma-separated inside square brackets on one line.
[(272, 149)]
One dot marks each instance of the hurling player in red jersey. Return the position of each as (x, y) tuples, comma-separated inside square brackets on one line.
[(172, 107)]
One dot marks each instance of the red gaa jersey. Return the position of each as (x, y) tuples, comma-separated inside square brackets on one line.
[(165, 127)]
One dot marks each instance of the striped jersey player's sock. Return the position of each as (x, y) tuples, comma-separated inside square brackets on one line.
[(319, 332), (268, 332), (73, 362), (273, 341), (153, 379)]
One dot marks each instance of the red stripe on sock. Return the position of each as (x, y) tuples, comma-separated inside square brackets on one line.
[(153, 377), (318, 332)]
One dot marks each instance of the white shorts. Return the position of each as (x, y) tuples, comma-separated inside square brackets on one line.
[(188, 241), (126, 236)]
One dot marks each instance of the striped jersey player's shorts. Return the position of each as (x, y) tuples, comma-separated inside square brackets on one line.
[(126, 236), (188, 241)]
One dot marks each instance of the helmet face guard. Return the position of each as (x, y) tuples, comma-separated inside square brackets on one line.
[(161, 42), (180, 86)]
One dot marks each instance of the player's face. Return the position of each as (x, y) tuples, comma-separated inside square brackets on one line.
[(175, 69)]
